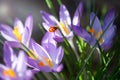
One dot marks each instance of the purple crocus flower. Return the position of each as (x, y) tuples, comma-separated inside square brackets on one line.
[(46, 59), (51, 24), (97, 30), (20, 33), (15, 68)]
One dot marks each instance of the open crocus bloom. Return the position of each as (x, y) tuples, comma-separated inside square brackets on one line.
[(96, 31), (19, 33), (15, 68), (51, 24), (46, 59)]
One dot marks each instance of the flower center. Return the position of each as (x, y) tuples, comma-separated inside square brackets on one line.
[(64, 27), (10, 73), (47, 60), (17, 34), (97, 35)]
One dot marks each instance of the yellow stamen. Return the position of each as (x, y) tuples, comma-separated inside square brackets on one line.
[(65, 29), (41, 64), (17, 34), (48, 61), (91, 30), (10, 73), (96, 34)]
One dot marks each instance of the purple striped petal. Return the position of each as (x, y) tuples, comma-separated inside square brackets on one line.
[(48, 18), (96, 23), (64, 15), (6, 32), (78, 14), (109, 19)]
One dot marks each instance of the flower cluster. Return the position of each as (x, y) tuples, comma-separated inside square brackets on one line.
[(32, 57)]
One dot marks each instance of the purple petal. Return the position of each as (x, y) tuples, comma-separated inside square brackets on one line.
[(8, 55), (39, 50), (26, 36), (52, 51), (58, 36), (6, 32), (108, 36), (28, 75), (58, 68), (48, 38), (78, 14), (29, 25), (46, 26), (32, 63), (64, 15), (82, 33), (14, 44), (21, 63), (27, 30), (109, 18), (96, 23), (49, 19), (18, 23), (59, 55)]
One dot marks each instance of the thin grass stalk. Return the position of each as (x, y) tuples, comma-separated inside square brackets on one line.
[(59, 2), (50, 6)]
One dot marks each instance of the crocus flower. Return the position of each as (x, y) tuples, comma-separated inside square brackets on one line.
[(46, 59), (97, 30), (51, 24), (20, 32), (15, 68)]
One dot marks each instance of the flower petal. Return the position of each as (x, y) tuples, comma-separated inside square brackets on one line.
[(95, 23), (48, 18), (78, 14), (64, 15), (58, 68), (21, 63), (8, 55), (78, 30), (39, 50), (59, 55), (6, 32), (109, 18), (47, 26), (108, 36), (26, 36), (48, 38), (18, 23)]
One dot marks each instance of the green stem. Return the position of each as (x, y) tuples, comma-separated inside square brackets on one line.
[(59, 2), (50, 6)]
